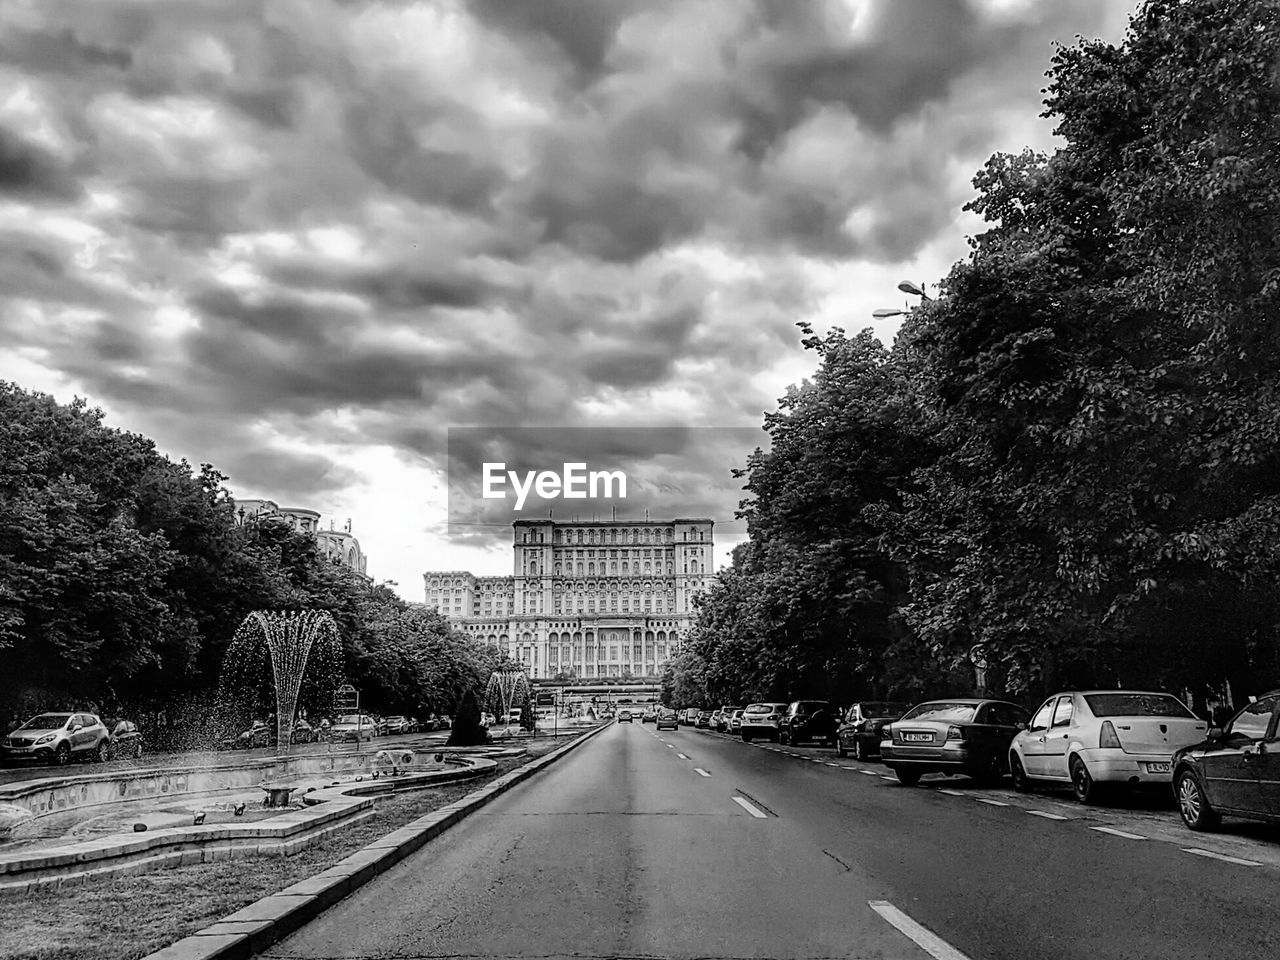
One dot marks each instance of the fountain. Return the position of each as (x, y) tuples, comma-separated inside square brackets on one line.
[(507, 689), (284, 639)]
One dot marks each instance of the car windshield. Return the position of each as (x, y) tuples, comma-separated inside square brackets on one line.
[(944, 712), (1137, 705), (349, 718), (47, 721), (874, 709)]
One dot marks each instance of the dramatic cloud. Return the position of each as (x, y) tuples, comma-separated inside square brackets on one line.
[(302, 239)]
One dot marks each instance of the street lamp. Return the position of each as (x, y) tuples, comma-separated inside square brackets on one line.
[(906, 286)]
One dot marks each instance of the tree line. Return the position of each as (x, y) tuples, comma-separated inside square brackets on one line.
[(124, 575), (1066, 469)]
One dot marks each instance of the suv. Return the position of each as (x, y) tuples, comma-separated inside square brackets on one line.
[(761, 720), (808, 720), (624, 715), (668, 718), (58, 737)]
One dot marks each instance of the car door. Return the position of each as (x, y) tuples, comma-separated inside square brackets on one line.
[(1032, 741), (82, 739), (1268, 763), (1230, 767), (1057, 739)]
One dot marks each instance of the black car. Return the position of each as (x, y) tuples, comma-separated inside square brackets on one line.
[(1235, 771), (957, 735), (860, 732), (809, 720), (126, 741)]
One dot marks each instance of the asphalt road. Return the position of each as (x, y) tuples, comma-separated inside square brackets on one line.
[(689, 845)]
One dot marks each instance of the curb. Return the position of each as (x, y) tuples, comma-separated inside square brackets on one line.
[(254, 928)]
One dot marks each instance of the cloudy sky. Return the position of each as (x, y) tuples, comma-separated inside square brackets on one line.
[(303, 239)]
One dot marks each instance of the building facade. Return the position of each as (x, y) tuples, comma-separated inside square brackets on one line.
[(600, 599), (338, 545)]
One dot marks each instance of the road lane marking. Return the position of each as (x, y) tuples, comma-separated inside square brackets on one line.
[(1047, 815), (951, 793), (923, 937), (700, 772), (848, 768), (830, 764), (670, 746), (884, 776), (682, 756), (1221, 856), (745, 805), (1118, 833), (994, 803), (869, 773)]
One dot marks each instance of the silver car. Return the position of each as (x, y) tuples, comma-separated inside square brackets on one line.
[(57, 738), (761, 720)]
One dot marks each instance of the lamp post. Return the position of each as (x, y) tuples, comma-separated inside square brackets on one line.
[(906, 286)]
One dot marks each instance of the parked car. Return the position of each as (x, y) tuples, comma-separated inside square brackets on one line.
[(808, 720), (624, 716), (1234, 771), (58, 738), (859, 732), (668, 718), (1094, 739), (650, 715), (487, 719), (690, 716), (399, 725), (969, 736), (704, 719), (259, 734), (126, 741), (722, 718), (355, 727), (735, 721), (304, 732), (761, 720)]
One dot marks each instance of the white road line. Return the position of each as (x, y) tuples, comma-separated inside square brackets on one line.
[(993, 803), (883, 776), (1047, 815), (848, 768), (751, 809), (830, 764), (924, 938), (869, 773), (670, 746), (700, 772), (1118, 833), (951, 793), (1221, 856), (682, 756)]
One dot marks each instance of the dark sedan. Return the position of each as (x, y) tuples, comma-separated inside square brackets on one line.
[(859, 733), (1235, 771), (808, 720), (969, 736)]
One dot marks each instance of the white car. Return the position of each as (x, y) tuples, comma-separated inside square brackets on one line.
[(761, 720), (355, 727), (1093, 738)]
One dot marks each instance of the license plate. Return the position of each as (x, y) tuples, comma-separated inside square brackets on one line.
[(1158, 767), (918, 737)]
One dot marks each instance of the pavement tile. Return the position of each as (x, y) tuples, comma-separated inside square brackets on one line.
[(227, 928), (269, 908), (222, 947)]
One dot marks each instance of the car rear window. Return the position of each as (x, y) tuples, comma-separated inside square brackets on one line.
[(1137, 705), (943, 712)]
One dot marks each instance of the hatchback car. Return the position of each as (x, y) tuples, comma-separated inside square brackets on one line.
[(1093, 739), (668, 718), (624, 716), (704, 719), (969, 736), (859, 732), (761, 720), (1234, 771), (814, 720), (723, 716), (353, 726), (58, 738), (650, 715), (735, 722)]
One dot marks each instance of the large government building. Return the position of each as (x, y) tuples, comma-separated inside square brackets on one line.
[(600, 599)]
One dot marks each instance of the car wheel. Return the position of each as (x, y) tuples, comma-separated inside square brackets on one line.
[(103, 753), (62, 756), (1021, 782), (840, 750), (1086, 789), (1193, 804), (907, 777)]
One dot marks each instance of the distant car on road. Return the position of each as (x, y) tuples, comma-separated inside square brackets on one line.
[(704, 719), (303, 732), (1095, 739), (735, 722), (962, 735), (58, 738), (1234, 771), (355, 727), (399, 725), (650, 714), (624, 716), (859, 732), (814, 720), (668, 718)]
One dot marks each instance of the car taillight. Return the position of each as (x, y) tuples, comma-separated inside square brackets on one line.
[(954, 733), (1107, 738)]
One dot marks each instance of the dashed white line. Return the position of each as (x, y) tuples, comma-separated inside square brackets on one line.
[(1221, 856), (682, 756), (923, 937), (842, 767), (883, 776), (670, 746), (951, 793), (994, 803), (1118, 833), (700, 772), (751, 809), (830, 764), (1047, 815), (869, 773)]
